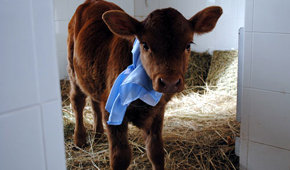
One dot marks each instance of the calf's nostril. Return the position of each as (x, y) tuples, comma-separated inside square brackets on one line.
[(164, 83), (178, 82)]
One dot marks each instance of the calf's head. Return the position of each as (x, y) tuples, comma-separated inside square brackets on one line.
[(165, 37)]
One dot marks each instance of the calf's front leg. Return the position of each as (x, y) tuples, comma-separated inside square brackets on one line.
[(120, 152), (154, 143)]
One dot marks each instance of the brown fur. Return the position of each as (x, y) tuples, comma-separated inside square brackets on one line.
[(99, 44)]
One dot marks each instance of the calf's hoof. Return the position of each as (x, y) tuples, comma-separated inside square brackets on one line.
[(98, 136), (80, 140), (98, 133)]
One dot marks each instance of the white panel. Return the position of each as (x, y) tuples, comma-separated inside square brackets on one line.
[(249, 10), (269, 118), (247, 59), (270, 67), (61, 46), (143, 8), (126, 5), (241, 12), (188, 7), (240, 73), (52, 122), (21, 143), (227, 31), (243, 154), (237, 146), (17, 62), (72, 6), (230, 7), (62, 64), (204, 42), (246, 103), (262, 157), (61, 10), (61, 31), (45, 50), (244, 129), (272, 16)]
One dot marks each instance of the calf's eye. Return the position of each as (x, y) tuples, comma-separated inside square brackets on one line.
[(145, 46)]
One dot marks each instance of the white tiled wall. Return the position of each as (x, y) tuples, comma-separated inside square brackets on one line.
[(18, 66), (270, 61), (63, 11), (22, 140), (31, 133), (269, 118), (271, 16), (224, 36), (265, 137), (266, 157)]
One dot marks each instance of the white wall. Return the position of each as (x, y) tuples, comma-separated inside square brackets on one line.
[(63, 11), (31, 131), (265, 104), (225, 34)]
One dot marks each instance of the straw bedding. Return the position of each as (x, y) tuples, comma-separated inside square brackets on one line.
[(199, 127), (198, 67)]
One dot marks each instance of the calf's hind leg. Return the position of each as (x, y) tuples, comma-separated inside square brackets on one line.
[(78, 101)]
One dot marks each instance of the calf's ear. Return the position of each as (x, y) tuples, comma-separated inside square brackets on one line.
[(205, 20), (121, 23)]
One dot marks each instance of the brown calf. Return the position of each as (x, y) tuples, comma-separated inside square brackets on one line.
[(100, 40)]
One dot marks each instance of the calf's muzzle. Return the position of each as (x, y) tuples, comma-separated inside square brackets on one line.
[(168, 84)]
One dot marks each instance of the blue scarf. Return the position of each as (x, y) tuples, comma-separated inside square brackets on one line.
[(132, 84)]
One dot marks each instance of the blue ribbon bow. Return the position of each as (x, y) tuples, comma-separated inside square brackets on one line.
[(132, 84)]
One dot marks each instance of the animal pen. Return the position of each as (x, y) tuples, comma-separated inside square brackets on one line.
[(200, 124), (200, 127)]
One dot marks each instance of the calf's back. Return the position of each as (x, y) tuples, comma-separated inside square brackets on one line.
[(92, 46)]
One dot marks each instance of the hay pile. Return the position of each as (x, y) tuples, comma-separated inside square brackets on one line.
[(198, 67), (223, 73), (199, 132)]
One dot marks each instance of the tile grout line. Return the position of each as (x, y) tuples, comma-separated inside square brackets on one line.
[(27, 106), (266, 90), (36, 68), (273, 146), (268, 32)]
